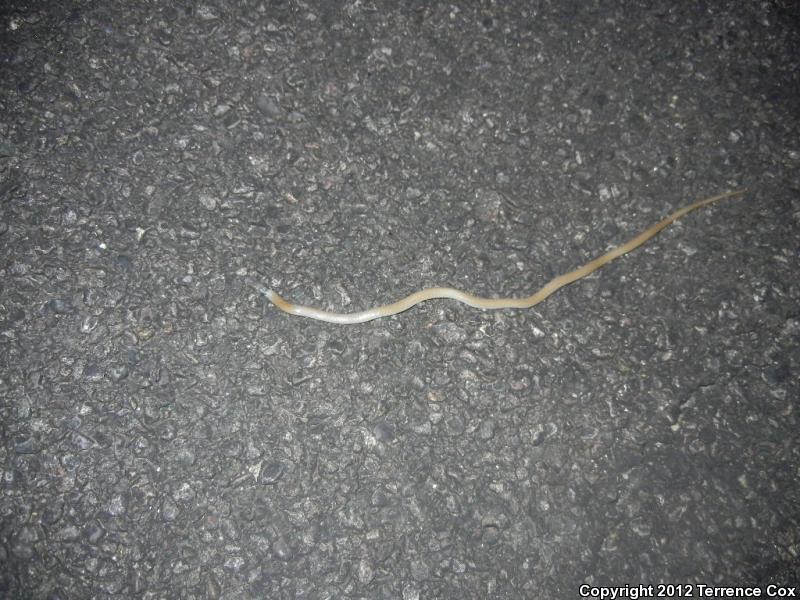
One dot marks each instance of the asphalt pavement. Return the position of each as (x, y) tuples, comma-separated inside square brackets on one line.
[(168, 433)]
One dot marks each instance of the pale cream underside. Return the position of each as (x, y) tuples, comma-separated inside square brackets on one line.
[(490, 303)]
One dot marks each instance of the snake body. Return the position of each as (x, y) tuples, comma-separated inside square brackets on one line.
[(490, 303)]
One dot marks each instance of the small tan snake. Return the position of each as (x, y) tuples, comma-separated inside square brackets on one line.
[(490, 303)]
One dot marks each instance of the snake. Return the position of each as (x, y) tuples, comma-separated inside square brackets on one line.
[(541, 295)]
